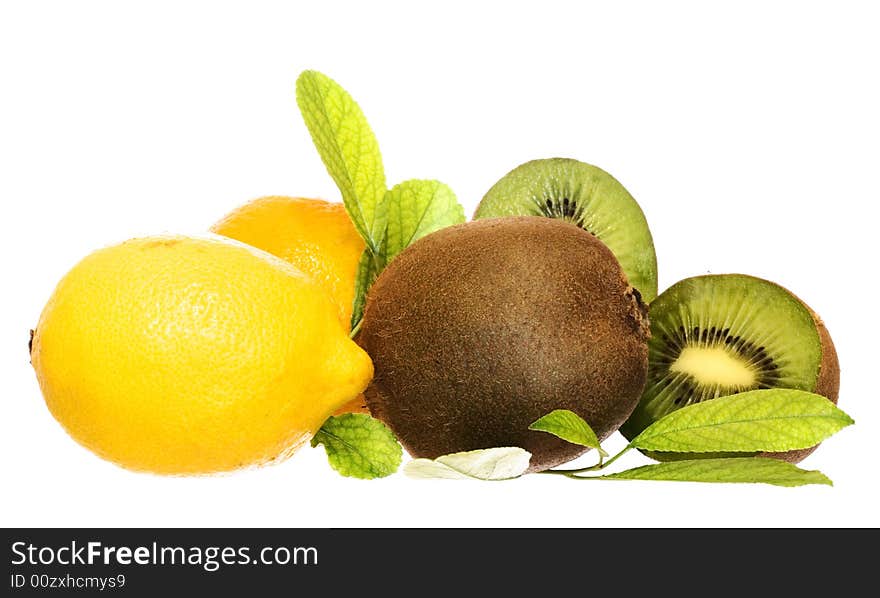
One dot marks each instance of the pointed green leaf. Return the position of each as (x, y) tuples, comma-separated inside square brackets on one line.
[(502, 463), (417, 208), (741, 470), (569, 426), (758, 420), (348, 149), (359, 446), (366, 274)]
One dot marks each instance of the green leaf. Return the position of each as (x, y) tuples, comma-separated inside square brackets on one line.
[(486, 464), (758, 420), (417, 208), (349, 151), (740, 470), (366, 274), (359, 446), (569, 426)]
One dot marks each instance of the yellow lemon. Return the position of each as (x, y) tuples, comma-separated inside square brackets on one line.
[(182, 355), (314, 235)]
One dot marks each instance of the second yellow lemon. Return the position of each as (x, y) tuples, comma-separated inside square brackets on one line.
[(316, 236)]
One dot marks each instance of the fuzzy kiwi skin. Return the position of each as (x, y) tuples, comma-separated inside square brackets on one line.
[(479, 329)]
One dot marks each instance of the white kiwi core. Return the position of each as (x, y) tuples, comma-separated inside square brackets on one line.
[(715, 366)]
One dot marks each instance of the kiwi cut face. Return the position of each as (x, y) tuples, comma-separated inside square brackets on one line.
[(584, 195), (717, 335)]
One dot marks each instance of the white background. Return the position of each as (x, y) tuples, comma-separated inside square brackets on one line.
[(749, 134)]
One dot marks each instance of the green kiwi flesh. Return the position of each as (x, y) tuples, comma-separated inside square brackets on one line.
[(479, 329), (584, 195), (717, 335)]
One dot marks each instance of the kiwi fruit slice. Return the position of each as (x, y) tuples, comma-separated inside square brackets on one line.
[(717, 335), (584, 195), (481, 328)]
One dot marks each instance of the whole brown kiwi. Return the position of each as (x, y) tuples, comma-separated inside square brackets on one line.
[(479, 329)]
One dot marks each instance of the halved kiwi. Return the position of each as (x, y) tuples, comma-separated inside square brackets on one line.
[(584, 195), (717, 335)]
